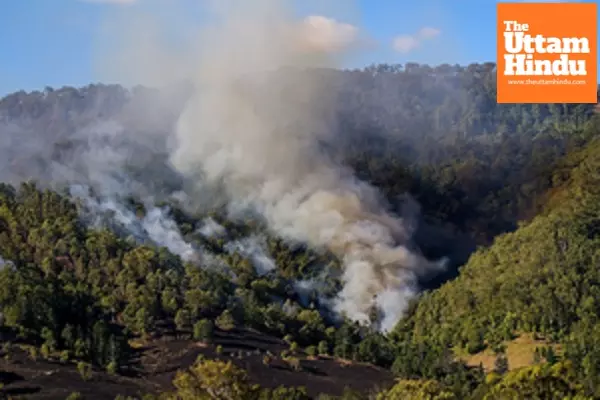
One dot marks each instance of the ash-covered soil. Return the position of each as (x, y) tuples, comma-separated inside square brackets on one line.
[(155, 364)]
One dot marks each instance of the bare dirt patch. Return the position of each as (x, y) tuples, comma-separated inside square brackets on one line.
[(157, 361)]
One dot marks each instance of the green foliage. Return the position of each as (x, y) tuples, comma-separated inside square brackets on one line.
[(182, 318), (85, 370), (83, 293), (348, 394), (212, 380), (538, 382), (501, 364), (538, 279), (417, 390), (522, 181), (225, 321), (112, 368), (203, 330), (323, 348), (294, 363), (267, 360), (284, 393), (531, 280)]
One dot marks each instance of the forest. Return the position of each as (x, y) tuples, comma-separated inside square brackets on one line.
[(89, 291)]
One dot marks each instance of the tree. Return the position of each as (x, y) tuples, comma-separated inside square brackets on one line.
[(417, 390), (85, 370), (112, 368), (543, 381), (311, 351), (501, 364), (144, 322), (225, 321), (182, 319), (212, 379), (267, 360), (284, 393), (323, 348), (203, 330), (550, 355), (294, 363)]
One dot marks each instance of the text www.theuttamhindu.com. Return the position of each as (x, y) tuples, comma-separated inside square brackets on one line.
[(546, 82)]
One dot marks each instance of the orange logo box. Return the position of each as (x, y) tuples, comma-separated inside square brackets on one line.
[(547, 52)]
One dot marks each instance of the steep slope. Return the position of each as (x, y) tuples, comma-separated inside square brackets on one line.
[(77, 295), (543, 278)]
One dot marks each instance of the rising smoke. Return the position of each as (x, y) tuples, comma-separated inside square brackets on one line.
[(254, 127)]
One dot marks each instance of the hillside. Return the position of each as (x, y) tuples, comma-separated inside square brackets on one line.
[(538, 281), (535, 279), (117, 273), (156, 362)]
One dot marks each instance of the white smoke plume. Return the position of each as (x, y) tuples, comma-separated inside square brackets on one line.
[(104, 145), (253, 248), (254, 127), (4, 263), (163, 230), (156, 225), (211, 228)]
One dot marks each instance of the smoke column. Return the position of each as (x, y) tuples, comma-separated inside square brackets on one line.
[(254, 125)]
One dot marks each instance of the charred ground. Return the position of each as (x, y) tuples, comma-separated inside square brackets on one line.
[(155, 363)]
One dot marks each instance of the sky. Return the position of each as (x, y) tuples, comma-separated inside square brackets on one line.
[(55, 42)]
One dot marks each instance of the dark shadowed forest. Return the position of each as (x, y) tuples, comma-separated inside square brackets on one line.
[(143, 294)]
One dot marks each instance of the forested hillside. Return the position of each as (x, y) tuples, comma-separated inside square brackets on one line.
[(107, 292)]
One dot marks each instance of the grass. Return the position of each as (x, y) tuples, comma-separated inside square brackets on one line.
[(520, 353)]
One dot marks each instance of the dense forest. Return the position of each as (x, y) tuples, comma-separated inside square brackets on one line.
[(509, 193)]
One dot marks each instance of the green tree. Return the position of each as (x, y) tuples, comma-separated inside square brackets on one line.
[(501, 364), (203, 330), (543, 381), (214, 380), (417, 390), (225, 321), (182, 319), (85, 370), (323, 348)]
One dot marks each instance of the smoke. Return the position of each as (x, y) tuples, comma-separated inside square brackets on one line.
[(156, 226), (255, 126), (252, 133), (211, 228), (163, 230), (5, 264), (102, 151), (252, 247)]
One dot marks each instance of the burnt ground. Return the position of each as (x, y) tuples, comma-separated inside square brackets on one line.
[(156, 363)]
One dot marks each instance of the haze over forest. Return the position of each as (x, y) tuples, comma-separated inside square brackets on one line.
[(266, 224)]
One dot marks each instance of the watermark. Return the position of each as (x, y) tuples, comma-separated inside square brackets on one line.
[(547, 52)]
